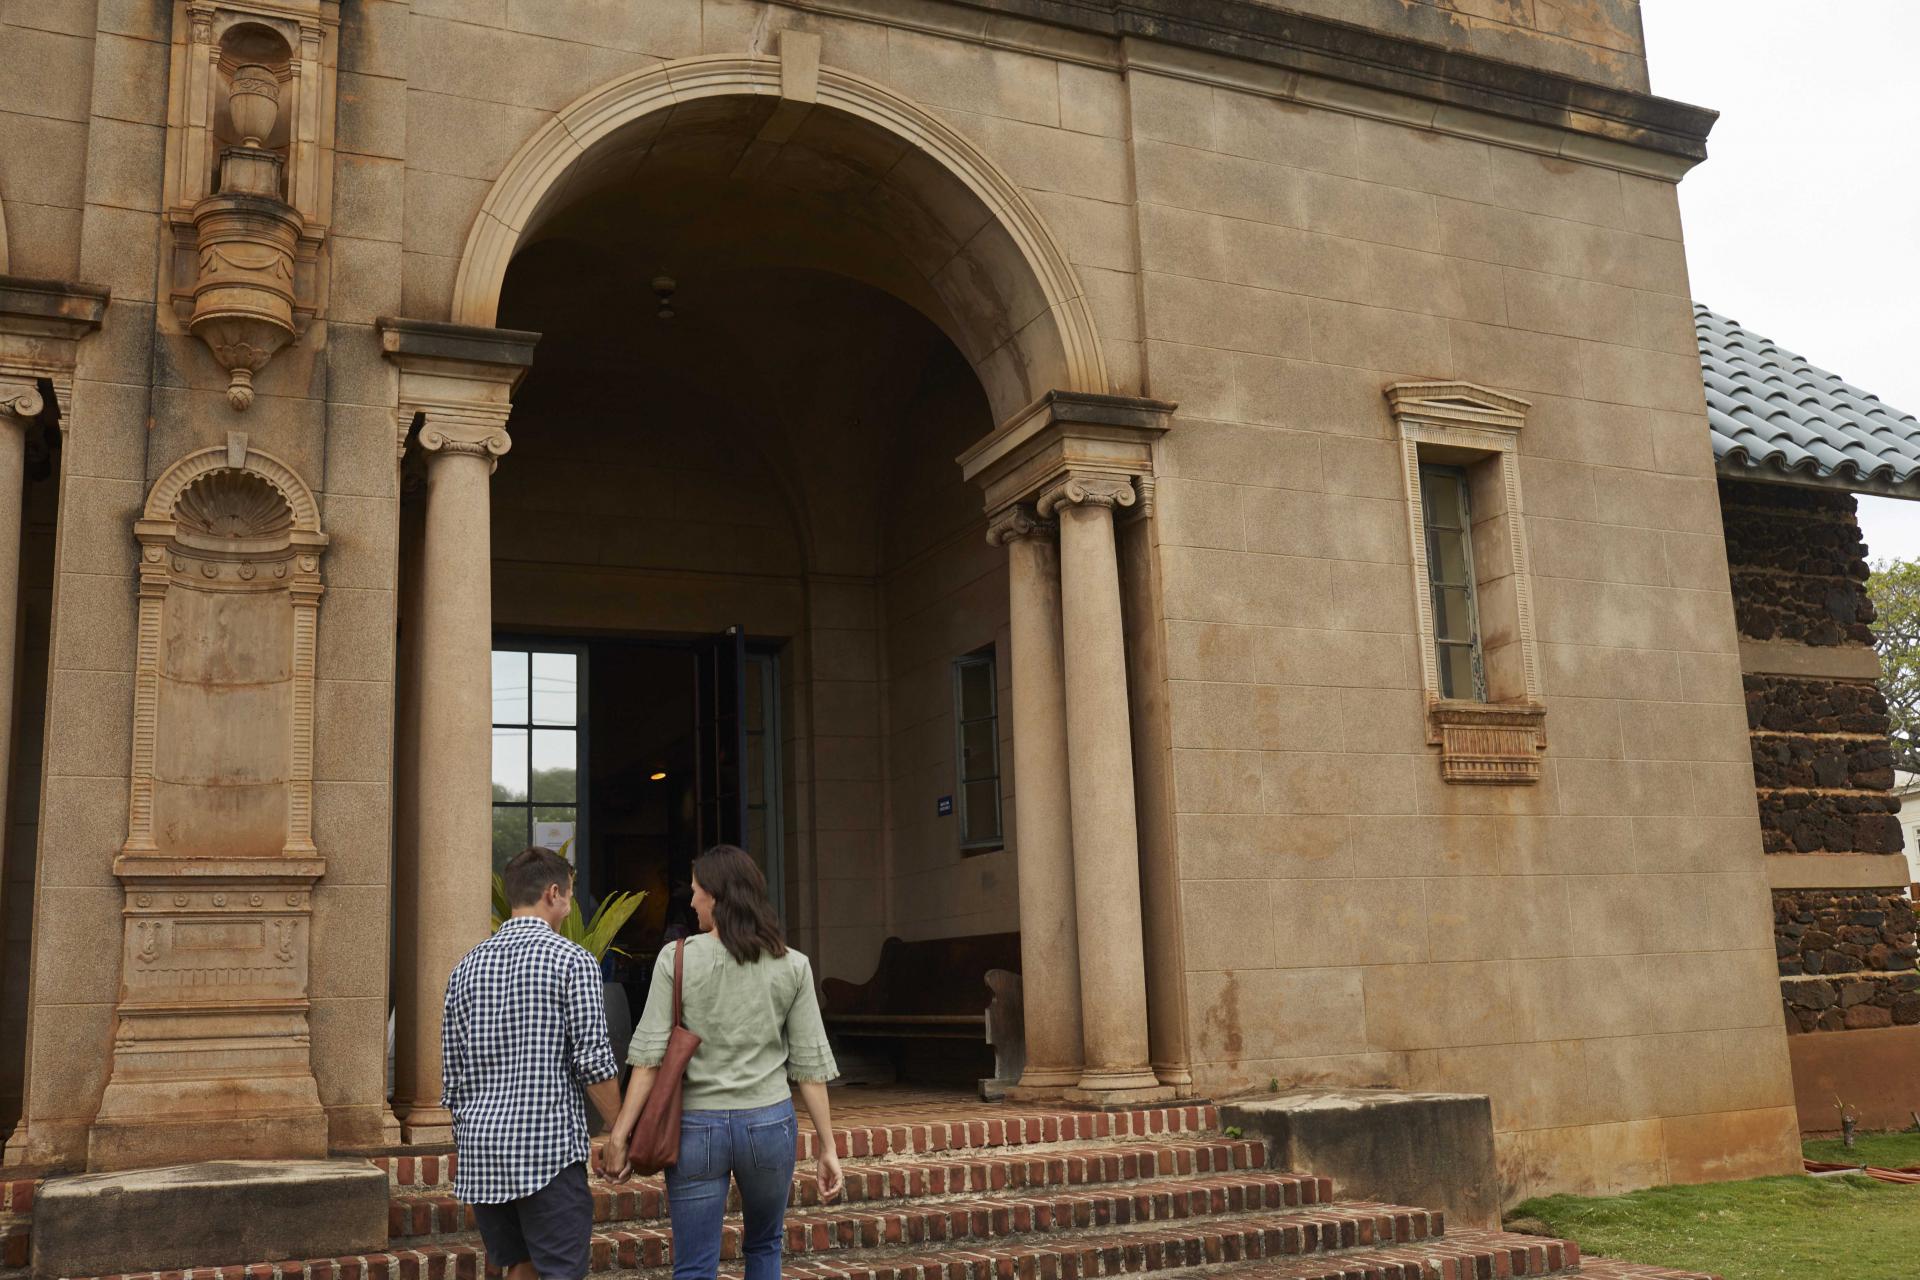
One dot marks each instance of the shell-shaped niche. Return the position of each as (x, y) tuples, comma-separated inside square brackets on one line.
[(229, 505)]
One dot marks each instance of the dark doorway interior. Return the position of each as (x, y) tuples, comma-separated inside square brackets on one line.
[(644, 752)]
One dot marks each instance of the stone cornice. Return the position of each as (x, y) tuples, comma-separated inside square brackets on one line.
[(1320, 60), (434, 343), (50, 308)]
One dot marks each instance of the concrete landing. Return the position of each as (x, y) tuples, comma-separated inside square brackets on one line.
[(214, 1214), (1384, 1144)]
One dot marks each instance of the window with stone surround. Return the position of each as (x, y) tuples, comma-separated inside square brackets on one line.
[(1472, 597), (976, 718)]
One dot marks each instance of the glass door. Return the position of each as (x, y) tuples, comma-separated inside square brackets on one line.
[(539, 728)]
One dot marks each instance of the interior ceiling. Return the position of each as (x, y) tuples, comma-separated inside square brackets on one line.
[(798, 328)]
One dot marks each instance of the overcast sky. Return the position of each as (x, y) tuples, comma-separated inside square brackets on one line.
[(1804, 222)]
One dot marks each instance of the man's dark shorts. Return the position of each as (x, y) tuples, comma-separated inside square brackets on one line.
[(553, 1227)]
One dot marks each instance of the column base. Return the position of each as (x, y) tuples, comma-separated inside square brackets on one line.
[(1118, 1089), (1118, 1099), (1035, 1093), (426, 1127)]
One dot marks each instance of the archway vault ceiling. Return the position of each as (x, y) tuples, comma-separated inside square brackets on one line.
[(680, 159)]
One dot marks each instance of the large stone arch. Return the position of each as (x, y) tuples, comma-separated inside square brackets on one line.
[(1011, 301)]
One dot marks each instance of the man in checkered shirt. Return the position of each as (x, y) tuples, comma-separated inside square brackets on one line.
[(523, 1035)]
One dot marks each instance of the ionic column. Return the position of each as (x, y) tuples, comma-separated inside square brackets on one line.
[(1043, 823), (1106, 840), (457, 381), (20, 403), (453, 747)]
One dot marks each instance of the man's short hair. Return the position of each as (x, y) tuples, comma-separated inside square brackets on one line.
[(531, 871)]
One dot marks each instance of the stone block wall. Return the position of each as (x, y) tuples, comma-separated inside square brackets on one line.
[(1822, 763)]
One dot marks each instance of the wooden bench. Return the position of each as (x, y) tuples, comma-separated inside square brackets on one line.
[(944, 1010)]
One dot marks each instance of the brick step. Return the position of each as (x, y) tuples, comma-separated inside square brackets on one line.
[(1100, 1250), (1461, 1255), (1000, 1216), (1012, 1130), (413, 1214), (1615, 1269)]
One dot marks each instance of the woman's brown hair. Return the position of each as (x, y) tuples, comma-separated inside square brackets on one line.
[(742, 916)]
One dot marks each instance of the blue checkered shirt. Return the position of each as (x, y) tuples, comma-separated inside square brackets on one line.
[(524, 1031)]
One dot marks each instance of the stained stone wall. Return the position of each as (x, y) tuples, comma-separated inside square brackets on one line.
[(1267, 248)]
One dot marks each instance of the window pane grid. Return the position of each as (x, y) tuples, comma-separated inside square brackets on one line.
[(1449, 546), (536, 774), (977, 746)]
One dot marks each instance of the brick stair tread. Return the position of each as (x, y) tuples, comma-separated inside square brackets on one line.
[(415, 1211), (890, 1187), (1459, 1255), (1592, 1268), (1152, 1245), (1038, 1128), (1000, 1217)]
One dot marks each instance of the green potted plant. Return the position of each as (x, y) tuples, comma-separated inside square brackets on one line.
[(596, 934)]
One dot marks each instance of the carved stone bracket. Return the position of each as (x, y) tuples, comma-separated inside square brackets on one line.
[(1484, 742), (248, 188)]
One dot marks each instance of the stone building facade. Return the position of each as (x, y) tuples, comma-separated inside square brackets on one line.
[(1295, 408)]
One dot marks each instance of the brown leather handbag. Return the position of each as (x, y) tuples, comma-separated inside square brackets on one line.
[(655, 1144)]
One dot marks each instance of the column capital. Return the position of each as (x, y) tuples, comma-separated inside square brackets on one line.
[(446, 432), (1011, 524), (1081, 489), (41, 324), (20, 399), (1068, 443), (460, 378)]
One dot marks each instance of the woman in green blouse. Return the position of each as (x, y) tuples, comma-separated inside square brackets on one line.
[(750, 999)]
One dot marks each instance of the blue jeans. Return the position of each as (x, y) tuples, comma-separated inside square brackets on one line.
[(755, 1148)]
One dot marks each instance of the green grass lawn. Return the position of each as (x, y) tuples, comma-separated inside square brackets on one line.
[(1792, 1228), (1882, 1150)]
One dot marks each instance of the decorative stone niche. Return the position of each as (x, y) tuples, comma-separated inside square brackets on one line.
[(210, 1052), (249, 176)]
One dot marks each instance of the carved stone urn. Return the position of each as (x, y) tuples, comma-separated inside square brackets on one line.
[(247, 237)]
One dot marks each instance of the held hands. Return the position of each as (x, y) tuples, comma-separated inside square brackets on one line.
[(830, 1178), (610, 1157)]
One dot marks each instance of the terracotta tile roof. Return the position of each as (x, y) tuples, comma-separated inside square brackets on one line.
[(1771, 411)]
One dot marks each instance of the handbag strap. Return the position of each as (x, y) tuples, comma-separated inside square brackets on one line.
[(679, 955)]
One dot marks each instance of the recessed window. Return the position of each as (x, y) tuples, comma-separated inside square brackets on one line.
[(1456, 627), (976, 713), (1475, 611)]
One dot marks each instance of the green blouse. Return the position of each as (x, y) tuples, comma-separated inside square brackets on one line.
[(759, 1026)]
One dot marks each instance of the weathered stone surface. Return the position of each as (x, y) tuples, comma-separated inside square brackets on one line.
[(1380, 1144), (1798, 564), (229, 1211)]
